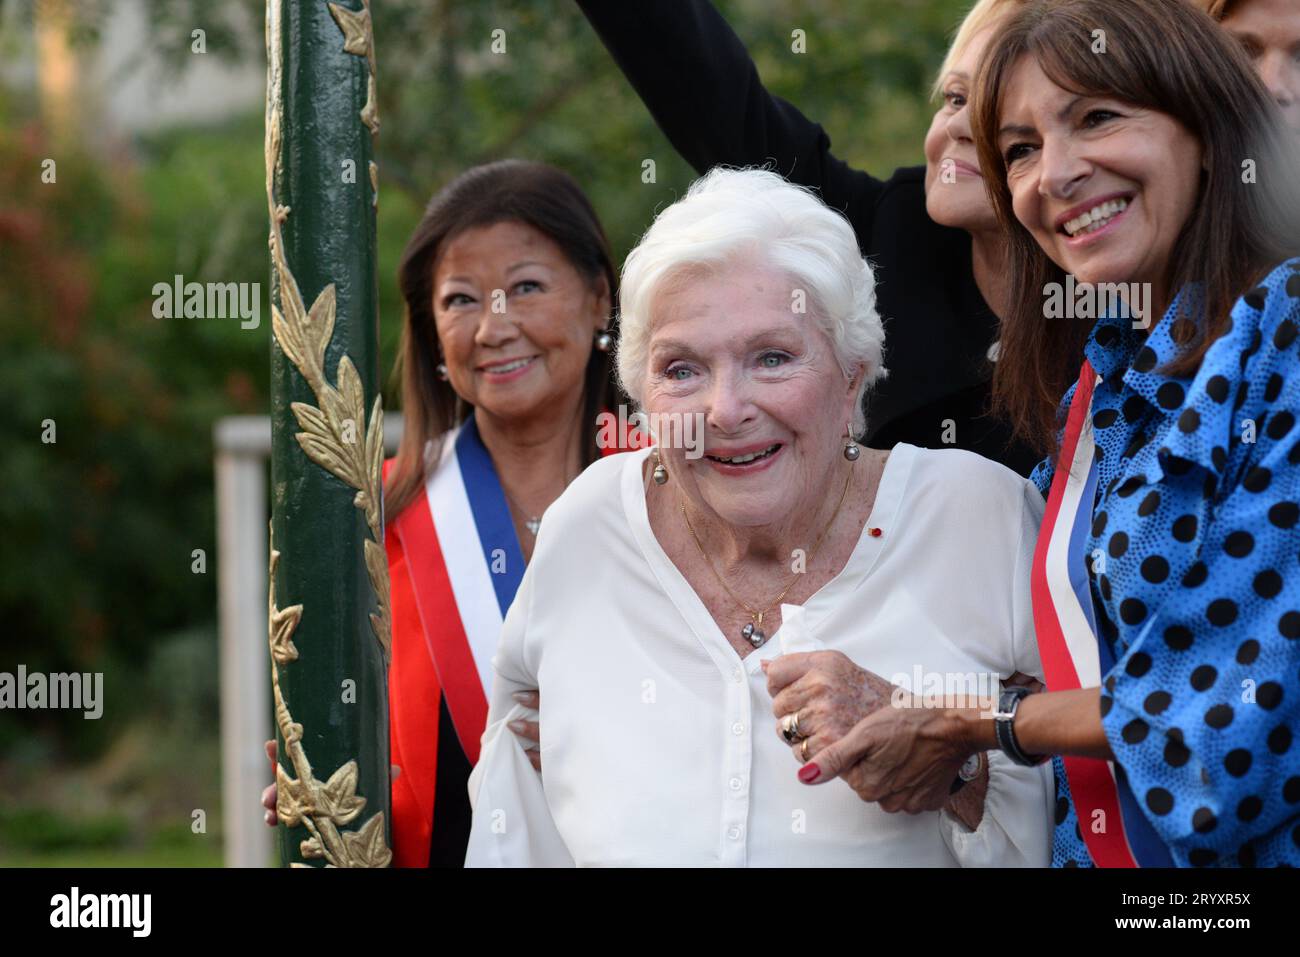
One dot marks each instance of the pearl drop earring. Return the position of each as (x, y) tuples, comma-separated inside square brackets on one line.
[(660, 473), (851, 450)]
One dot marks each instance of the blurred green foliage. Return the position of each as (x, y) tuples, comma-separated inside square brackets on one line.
[(43, 830), (98, 528)]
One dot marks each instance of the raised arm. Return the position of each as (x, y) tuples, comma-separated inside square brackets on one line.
[(700, 85)]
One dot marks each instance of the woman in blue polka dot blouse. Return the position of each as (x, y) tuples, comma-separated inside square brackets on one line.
[(1138, 149)]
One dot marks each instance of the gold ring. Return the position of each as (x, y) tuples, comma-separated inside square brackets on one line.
[(803, 750)]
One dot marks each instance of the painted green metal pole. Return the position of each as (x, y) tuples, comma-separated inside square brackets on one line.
[(329, 617)]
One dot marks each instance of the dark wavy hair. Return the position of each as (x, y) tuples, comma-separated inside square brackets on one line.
[(540, 196), (1166, 56)]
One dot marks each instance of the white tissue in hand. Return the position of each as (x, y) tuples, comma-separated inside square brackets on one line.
[(795, 634)]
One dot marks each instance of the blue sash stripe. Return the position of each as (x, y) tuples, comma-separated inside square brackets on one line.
[(1148, 849), (1078, 552), (487, 501)]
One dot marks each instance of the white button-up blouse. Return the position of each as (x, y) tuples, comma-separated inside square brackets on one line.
[(659, 746)]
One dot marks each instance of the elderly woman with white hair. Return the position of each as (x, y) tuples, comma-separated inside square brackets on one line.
[(664, 580)]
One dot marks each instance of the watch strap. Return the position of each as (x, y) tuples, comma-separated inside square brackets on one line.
[(1004, 727)]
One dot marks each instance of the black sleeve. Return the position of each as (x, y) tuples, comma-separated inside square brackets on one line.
[(698, 82)]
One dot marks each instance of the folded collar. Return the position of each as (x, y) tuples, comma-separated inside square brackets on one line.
[(1112, 345)]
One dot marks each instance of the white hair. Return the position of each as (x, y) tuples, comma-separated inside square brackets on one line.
[(731, 214)]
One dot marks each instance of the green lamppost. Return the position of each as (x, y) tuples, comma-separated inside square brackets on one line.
[(329, 609)]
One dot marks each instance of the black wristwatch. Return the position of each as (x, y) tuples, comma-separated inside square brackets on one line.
[(1004, 727)]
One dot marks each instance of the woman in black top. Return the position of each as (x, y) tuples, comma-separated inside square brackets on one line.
[(929, 230)]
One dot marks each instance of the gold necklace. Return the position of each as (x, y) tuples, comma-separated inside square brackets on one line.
[(753, 632)]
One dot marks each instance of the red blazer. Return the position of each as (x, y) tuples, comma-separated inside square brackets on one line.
[(413, 714)]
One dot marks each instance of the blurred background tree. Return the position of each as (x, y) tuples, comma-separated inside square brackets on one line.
[(99, 528)]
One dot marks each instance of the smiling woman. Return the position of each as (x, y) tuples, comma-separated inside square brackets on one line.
[(929, 230), (1118, 226), (507, 307), (1160, 161), (653, 608), (1130, 141), (1120, 166), (509, 288)]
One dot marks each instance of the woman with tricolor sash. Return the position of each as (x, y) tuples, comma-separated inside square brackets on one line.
[(1133, 144), (509, 288)]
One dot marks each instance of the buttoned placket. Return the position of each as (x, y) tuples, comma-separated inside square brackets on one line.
[(738, 752), (736, 674)]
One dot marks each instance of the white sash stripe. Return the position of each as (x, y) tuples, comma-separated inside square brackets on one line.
[(1079, 638), (471, 579)]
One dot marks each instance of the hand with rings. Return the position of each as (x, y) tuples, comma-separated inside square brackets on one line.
[(819, 696), (793, 735)]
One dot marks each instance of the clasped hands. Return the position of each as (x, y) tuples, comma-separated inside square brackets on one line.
[(866, 731)]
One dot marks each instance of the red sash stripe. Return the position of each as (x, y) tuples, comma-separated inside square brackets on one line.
[(1092, 781), (443, 631)]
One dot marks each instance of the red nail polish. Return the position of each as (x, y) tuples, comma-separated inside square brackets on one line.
[(809, 773)]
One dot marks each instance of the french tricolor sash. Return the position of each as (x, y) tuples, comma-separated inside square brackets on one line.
[(1073, 654), (455, 565), (463, 591)]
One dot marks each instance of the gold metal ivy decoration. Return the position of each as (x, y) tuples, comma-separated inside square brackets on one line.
[(329, 438), (321, 807), (330, 428), (359, 40)]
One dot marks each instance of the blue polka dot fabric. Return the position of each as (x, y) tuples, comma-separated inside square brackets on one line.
[(1194, 560)]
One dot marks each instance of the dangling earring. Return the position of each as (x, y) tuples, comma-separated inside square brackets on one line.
[(603, 340), (442, 371), (660, 473), (851, 450)]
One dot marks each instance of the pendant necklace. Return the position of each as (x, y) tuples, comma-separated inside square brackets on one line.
[(753, 630), (531, 522)]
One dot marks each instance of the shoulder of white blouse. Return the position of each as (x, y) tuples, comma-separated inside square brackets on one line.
[(968, 481), (597, 488)]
